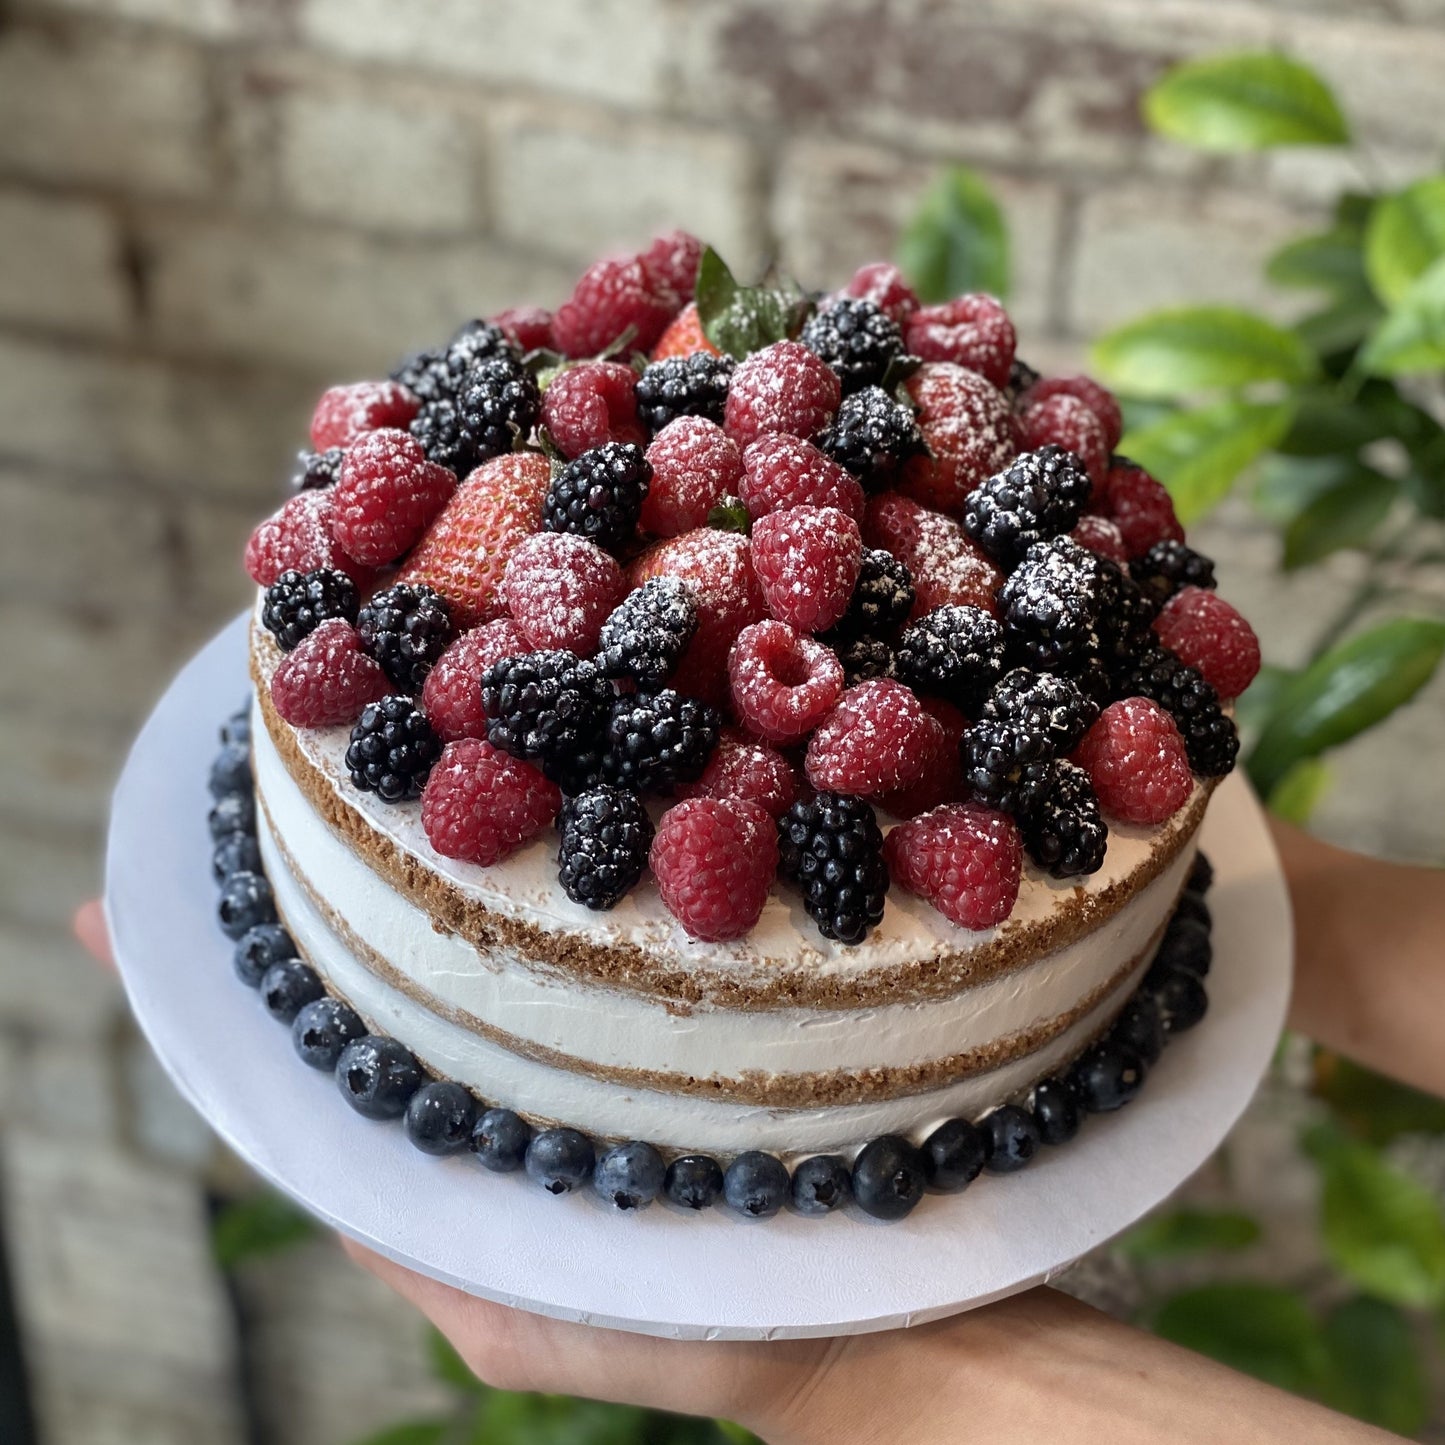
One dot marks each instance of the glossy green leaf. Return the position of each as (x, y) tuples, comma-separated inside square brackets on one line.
[(1371, 1107), (1412, 337), (735, 1434), (1344, 515), (1406, 236), (957, 240), (1198, 454), (1340, 327), (1348, 690), (742, 319), (1325, 425), (1189, 1231), (260, 1224), (412, 1432), (1286, 484), (1194, 348), (1262, 1329), (1245, 101), (1381, 1229), (1296, 796), (1424, 483), (1330, 261), (1376, 1372), (1253, 710)]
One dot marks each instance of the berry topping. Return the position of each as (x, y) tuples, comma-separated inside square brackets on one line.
[(327, 679), (1043, 704), (656, 739), (941, 780), (528, 328), (783, 682), (297, 603), (497, 405), (888, 1177), (452, 693), (1167, 566), (872, 435), (230, 770), (388, 495), (693, 1181), (1106, 1077), (235, 853), (882, 283), (695, 385), (673, 260), (245, 901), (875, 740), (831, 847), (258, 948), (345, 413), (605, 836), (647, 632), (439, 373), (782, 471), (323, 1029), (966, 860), (547, 707), (1138, 506), (969, 431), (630, 1176), (1201, 875), (1062, 828), (714, 860), (616, 295), (440, 1118), (1013, 1138), (232, 815), (559, 589), (317, 469), (954, 1155), (684, 337), (378, 1076), (1066, 422), (1084, 389), (807, 559), (821, 1184), (742, 767), (956, 653), (287, 987), (695, 464), (298, 538), (599, 495), (1210, 737), (1039, 495), (1100, 535), (1206, 633), (392, 749), (1181, 999), (1006, 763), (480, 804), (560, 1160), (589, 405), (973, 331), (856, 338), (406, 627), (782, 388), (944, 564), (882, 598), (1056, 1111), (1052, 600), (499, 1141), (756, 1185), (1136, 762)]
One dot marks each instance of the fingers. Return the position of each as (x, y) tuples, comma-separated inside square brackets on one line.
[(89, 927)]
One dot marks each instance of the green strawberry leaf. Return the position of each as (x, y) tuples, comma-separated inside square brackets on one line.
[(730, 515), (739, 320)]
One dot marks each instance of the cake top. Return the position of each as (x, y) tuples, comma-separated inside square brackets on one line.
[(755, 590)]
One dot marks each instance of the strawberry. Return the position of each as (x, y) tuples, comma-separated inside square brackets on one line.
[(684, 336)]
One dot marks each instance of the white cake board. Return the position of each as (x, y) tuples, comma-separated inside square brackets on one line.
[(661, 1271)]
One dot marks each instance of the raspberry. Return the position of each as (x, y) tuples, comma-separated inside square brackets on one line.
[(782, 471), (684, 336), (882, 283), (944, 564), (881, 601), (1138, 506), (547, 707), (954, 653), (783, 683), (1065, 421), (673, 259), (605, 834), (877, 739), (1098, 399), (1167, 566), (1037, 496), (1052, 600), (966, 860), (856, 339), (831, 847), (1100, 536), (714, 859), (585, 406), (972, 331), (1061, 826), (1210, 737), (559, 589), (614, 295), (480, 804), (742, 767), (317, 469), (298, 538), (452, 693), (347, 412), (528, 328), (406, 627), (969, 430), (465, 554), (653, 740), (872, 435), (695, 464), (695, 385), (1211, 636), (807, 559), (388, 495), (647, 632), (717, 567), (782, 388), (942, 778), (297, 603), (392, 749), (1136, 761), (326, 679), (599, 495)]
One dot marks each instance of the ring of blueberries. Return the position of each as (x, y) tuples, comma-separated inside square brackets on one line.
[(381, 1079)]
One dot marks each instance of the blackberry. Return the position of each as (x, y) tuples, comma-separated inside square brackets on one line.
[(1062, 828), (317, 469), (392, 749), (297, 603), (544, 706), (953, 652), (1087, 671), (1042, 702), (1021, 376), (1167, 566), (832, 848), (437, 374), (438, 427), (1037, 496), (856, 339), (646, 634), (695, 385), (871, 435), (605, 837), (1210, 737), (863, 658), (498, 405), (656, 739), (405, 627), (1052, 601), (1005, 764), (1126, 615), (882, 598), (599, 494)]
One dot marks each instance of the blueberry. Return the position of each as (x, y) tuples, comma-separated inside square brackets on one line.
[(440, 1117), (630, 1175), (1013, 1138), (1182, 1000), (288, 986), (1192, 906), (756, 1184), (258, 949), (231, 771), (237, 727), (560, 1160), (235, 813), (954, 1155), (694, 1181), (821, 1184), (377, 1076), (1107, 1076), (1140, 1027), (245, 901), (888, 1177), (1201, 875), (322, 1029), (1186, 944), (1057, 1115), (499, 1140), (236, 853)]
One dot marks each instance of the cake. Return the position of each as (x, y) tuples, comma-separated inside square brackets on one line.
[(714, 742)]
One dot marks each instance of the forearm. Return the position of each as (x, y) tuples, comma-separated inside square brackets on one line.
[(1369, 957)]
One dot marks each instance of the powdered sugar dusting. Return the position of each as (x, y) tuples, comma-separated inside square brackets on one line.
[(695, 464), (559, 589)]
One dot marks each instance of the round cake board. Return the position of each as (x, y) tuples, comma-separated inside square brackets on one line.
[(661, 1271)]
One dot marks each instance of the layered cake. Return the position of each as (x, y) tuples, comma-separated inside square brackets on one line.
[(715, 742)]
